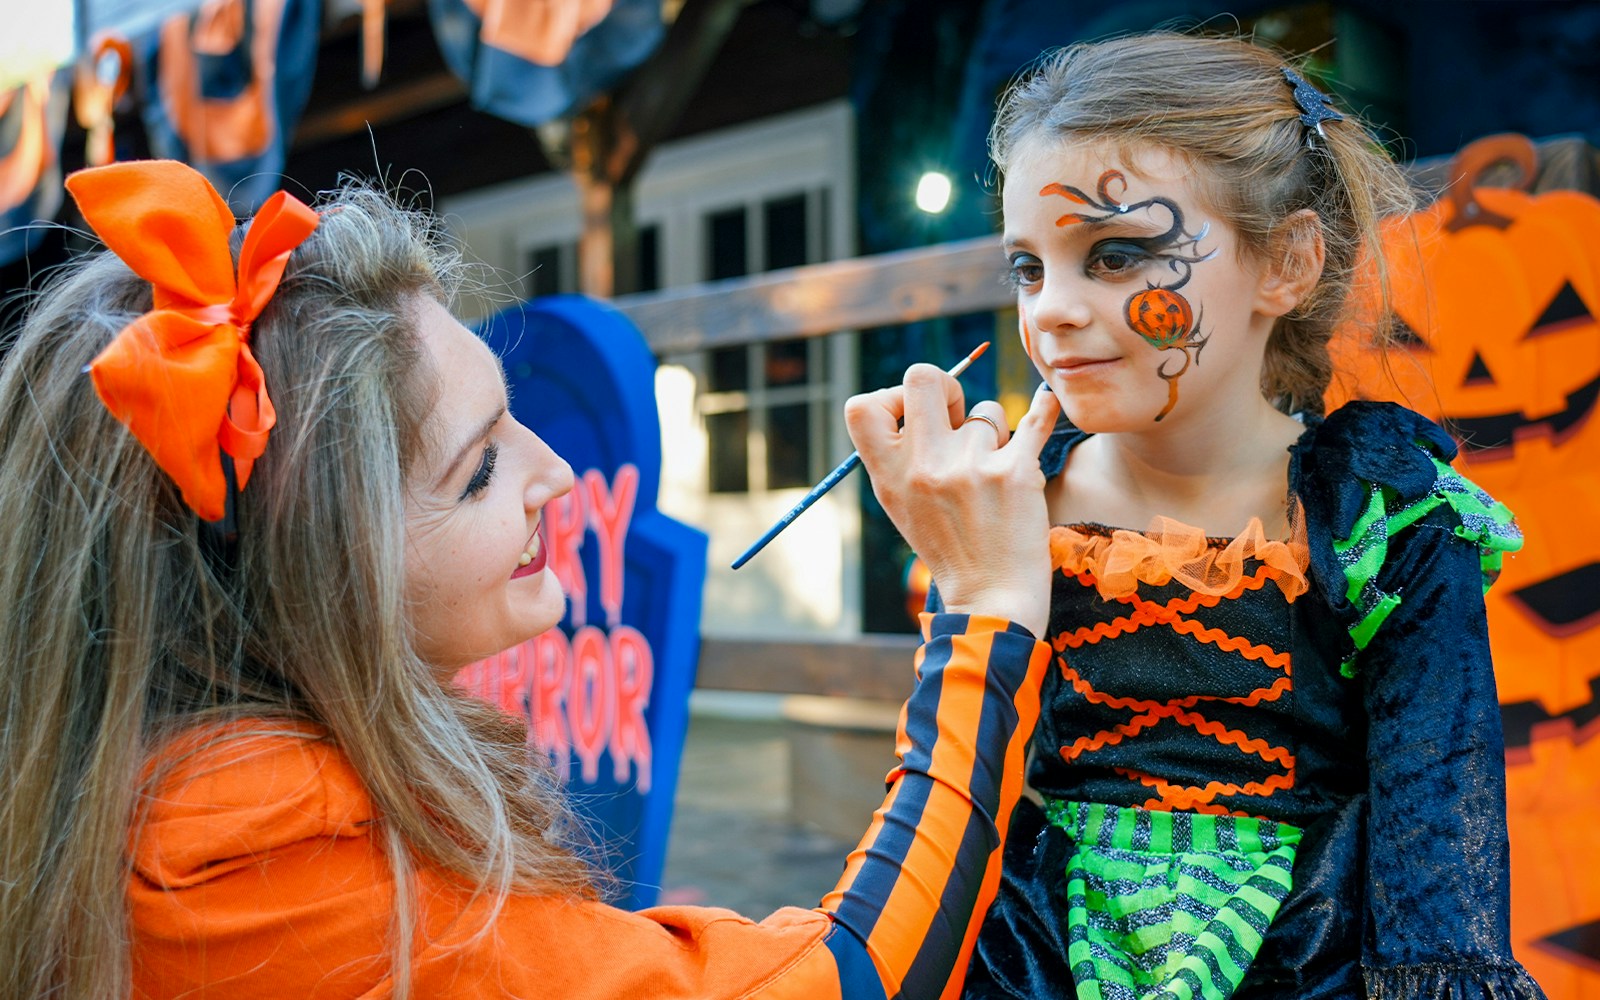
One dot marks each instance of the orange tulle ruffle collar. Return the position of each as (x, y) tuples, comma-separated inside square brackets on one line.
[(1119, 559)]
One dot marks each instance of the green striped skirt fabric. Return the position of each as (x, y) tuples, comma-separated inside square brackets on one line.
[(1168, 904)]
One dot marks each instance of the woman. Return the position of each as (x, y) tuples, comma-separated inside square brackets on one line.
[(237, 766)]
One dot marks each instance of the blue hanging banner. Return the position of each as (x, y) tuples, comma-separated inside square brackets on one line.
[(606, 694)]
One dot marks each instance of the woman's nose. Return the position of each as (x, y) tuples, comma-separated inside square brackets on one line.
[(552, 477)]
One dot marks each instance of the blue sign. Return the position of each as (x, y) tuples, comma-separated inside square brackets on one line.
[(606, 694)]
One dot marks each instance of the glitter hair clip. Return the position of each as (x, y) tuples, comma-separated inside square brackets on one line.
[(1315, 106)]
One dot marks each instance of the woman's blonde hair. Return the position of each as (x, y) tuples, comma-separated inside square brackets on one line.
[(119, 630), (1225, 106)]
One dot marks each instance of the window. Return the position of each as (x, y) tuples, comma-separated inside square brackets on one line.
[(552, 268), (765, 406)]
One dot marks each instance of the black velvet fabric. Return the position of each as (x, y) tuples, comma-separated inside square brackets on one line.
[(1400, 887)]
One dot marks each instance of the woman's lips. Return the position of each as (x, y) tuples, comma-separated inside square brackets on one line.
[(535, 549)]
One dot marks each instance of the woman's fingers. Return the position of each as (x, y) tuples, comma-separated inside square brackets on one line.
[(1033, 430), (985, 424), (872, 419), (964, 490), (933, 401)]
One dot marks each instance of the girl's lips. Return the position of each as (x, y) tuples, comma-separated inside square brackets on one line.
[(1075, 366), (537, 550)]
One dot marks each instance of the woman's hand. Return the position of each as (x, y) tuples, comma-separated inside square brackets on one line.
[(966, 494)]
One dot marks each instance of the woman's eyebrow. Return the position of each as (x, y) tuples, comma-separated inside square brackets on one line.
[(467, 445)]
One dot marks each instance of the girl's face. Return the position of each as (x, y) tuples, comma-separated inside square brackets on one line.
[(1124, 279), (476, 580)]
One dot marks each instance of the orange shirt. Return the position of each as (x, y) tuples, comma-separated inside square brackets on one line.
[(258, 874)]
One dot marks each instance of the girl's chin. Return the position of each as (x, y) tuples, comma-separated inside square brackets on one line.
[(1095, 417)]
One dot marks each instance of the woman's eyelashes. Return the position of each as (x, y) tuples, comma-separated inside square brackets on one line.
[(484, 474)]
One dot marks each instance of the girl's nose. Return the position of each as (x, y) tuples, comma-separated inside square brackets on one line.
[(1060, 305)]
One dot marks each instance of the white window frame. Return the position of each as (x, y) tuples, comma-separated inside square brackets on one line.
[(808, 582)]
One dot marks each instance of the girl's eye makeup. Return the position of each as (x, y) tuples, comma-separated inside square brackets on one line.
[(1025, 269), (1117, 258), (485, 473)]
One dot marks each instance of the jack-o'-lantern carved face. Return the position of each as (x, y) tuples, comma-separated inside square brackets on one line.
[(1497, 293)]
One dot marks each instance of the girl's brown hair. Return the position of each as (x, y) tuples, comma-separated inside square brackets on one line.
[(119, 631), (1225, 105)]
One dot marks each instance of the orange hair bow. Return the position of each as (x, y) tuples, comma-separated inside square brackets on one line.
[(181, 377)]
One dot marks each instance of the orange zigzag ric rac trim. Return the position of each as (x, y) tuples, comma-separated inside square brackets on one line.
[(1150, 712), (1187, 797), (1132, 727), (1120, 559), (1234, 738), (1232, 643), (1188, 605), (1090, 694), (1149, 613)]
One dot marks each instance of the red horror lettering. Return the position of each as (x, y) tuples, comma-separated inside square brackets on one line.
[(551, 673), (609, 513), (590, 700), (562, 530), (583, 696), (630, 736)]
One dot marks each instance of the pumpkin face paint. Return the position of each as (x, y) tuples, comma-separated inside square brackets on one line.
[(1103, 252)]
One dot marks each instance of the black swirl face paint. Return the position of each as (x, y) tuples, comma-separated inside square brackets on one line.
[(1158, 312)]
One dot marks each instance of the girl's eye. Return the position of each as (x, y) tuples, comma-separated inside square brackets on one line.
[(485, 473), (1112, 259), (1026, 269)]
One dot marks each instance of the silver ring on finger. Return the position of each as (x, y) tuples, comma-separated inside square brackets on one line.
[(998, 435)]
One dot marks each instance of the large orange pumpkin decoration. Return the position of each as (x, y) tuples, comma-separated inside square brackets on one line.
[(1498, 292)]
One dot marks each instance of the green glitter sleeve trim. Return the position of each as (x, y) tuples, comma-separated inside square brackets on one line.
[(1485, 521)]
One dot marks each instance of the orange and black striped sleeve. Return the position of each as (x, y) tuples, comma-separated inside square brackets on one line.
[(914, 891), (258, 876)]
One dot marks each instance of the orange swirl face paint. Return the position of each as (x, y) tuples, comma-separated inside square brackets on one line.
[(1159, 313)]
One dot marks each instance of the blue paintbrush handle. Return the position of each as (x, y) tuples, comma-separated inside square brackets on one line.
[(832, 479), (829, 481)]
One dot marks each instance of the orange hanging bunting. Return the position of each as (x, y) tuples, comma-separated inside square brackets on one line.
[(540, 31), (228, 81), (181, 377), (98, 83), (33, 119), (530, 61), (372, 25), (24, 164)]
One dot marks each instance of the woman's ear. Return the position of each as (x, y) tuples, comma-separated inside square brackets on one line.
[(1294, 264)]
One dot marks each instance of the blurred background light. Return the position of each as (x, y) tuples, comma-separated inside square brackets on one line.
[(933, 192)]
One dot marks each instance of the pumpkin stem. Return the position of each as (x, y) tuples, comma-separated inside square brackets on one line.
[(1473, 161)]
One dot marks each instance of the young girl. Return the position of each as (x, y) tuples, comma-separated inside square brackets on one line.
[(1269, 760), (260, 498)]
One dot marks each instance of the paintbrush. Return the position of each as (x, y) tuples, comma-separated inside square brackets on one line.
[(833, 478)]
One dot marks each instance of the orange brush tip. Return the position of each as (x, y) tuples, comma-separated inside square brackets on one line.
[(969, 359)]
